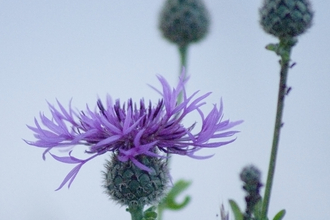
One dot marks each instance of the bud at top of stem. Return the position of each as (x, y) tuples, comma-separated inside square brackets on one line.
[(286, 18), (184, 21)]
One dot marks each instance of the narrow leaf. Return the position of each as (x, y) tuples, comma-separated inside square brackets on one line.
[(272, 47), (178, 187), (236, 210), (279, 215), (150, 213)]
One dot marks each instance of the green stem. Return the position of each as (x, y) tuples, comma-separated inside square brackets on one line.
[(136, 211), (183, 50), (284, 50), (183, 56)]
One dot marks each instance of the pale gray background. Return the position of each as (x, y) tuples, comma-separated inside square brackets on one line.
[(85, 49)]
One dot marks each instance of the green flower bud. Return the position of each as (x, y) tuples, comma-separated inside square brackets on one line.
[(129, 185), (184, 21), (286, 18), (250, 175)]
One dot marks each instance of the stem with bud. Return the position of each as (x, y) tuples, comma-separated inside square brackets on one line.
[(282, 49)]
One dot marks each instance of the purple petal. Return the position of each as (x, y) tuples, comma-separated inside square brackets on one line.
[(70, 176)]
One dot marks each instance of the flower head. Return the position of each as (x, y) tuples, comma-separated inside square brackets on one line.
[(132, 129), (286, 18), (184, 21)]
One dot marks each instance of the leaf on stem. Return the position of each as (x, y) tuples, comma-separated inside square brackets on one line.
[(170, 200), (150, 213), (236, 210), (279, 215)]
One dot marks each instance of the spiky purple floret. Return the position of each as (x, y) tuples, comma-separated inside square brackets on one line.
[(131, 130)]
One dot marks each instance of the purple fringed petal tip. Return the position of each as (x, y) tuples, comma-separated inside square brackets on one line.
[(133, 129)]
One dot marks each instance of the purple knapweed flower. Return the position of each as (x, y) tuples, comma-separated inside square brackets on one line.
[(131, 129)]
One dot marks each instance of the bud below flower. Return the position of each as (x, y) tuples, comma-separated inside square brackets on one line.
[(127, 184), (286, 18), (250, 175), (184, 21)]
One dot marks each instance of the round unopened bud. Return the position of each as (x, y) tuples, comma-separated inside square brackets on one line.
[(250, 174), (184, 21), (286, 18), (127, 184)]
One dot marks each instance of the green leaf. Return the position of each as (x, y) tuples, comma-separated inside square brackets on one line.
[(236, 210), (169, 201), (150, 214), (279, 215), (272, 47)]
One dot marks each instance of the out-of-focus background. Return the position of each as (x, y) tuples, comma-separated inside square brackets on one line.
[(85, 49)]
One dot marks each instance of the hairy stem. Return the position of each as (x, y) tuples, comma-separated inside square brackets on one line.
[(284, 50), (183, 50), (136, 211)]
